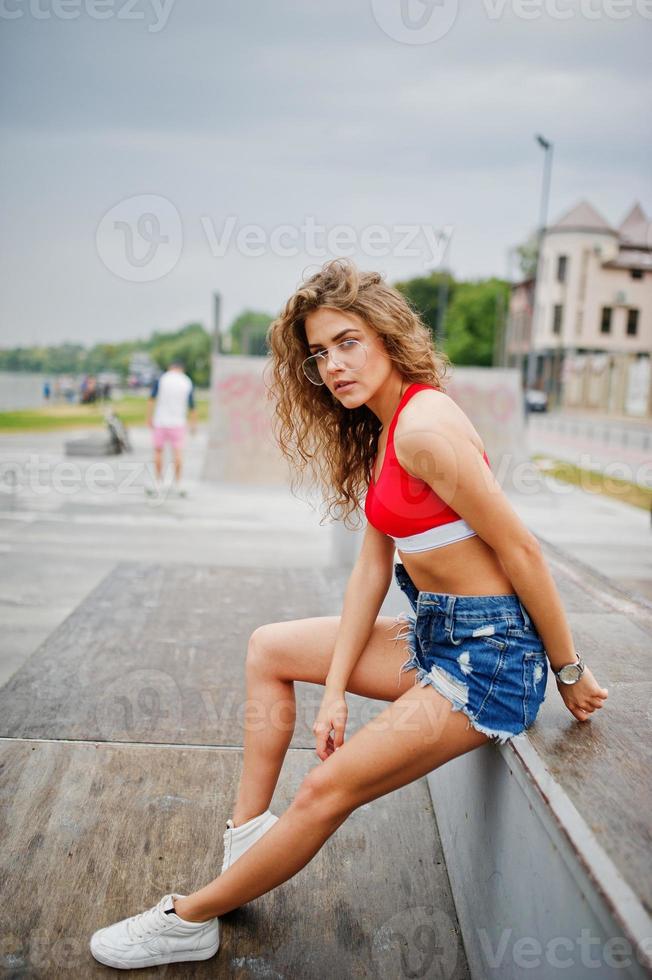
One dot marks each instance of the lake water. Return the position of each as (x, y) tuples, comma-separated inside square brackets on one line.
[(21, 389)]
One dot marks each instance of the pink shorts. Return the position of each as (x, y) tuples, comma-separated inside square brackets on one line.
[(168, 433)]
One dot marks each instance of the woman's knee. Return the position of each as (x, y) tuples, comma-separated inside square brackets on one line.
[(320, 794), (260, 649)]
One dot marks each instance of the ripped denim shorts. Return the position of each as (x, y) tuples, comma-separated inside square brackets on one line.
[(483, 653)]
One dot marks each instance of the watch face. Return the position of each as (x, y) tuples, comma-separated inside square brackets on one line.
[(569, 674)]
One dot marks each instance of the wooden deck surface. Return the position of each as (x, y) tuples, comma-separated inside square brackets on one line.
[(604, 764), (119, 758)]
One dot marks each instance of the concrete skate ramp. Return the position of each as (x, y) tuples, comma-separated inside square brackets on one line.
[(241, 447), (493, 400)]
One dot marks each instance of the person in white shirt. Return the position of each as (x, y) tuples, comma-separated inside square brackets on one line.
[(170, 403)]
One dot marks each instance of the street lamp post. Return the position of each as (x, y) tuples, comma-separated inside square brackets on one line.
[(217, 336), (442, 305), (543, 218), (442, 298)]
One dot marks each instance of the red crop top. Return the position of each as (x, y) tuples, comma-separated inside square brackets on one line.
[(401, 505)]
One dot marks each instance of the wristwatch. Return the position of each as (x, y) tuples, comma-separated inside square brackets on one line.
[(570, 673)]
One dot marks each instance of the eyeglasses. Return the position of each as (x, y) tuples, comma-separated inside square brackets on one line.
[(351, 354)]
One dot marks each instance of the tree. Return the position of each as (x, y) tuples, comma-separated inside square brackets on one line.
[(191, 345), (471, 321), (426, 293), (248, 332), (527, 254)]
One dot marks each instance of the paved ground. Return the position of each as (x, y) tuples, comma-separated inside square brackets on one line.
[(621, 449), (62, 529), (61, 532), (613, 538)]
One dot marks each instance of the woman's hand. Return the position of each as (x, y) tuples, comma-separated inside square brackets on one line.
[(583, 698), (332, 715)]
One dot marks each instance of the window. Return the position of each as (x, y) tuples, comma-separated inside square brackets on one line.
[(632, 323), (636, 273), (605, 323), (562, 262), (556, 318)]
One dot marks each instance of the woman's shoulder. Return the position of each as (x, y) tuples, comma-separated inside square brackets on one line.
[(432, 410), (430, 405)]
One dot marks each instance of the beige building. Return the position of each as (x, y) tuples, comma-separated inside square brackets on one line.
[(583, 331)]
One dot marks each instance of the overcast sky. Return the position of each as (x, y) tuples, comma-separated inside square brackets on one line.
[(140, 138)]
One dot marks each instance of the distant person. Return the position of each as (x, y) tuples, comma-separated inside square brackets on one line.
[(170, 403), (46, 391), (69, 390)]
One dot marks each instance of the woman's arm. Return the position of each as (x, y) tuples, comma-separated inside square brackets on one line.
[(527, 570), (438, 449), (365, 593), (435, 446), (367, 587)]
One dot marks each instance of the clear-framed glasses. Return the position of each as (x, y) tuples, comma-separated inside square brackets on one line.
[(350, 354)]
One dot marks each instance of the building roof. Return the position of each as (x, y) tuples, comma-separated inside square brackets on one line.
[(630, 258), (636, 228), (582, 217), (634, 233)]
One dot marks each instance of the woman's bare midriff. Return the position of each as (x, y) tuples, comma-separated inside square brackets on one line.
[(468, 567)]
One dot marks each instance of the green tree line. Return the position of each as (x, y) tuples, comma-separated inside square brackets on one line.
[(463, 317), (468, 314), (191, 344)]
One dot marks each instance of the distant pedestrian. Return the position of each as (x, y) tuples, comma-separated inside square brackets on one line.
[(170, 404), (46, 391)]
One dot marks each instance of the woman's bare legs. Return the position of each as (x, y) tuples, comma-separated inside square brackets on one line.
[(301, 650), (413, 736)]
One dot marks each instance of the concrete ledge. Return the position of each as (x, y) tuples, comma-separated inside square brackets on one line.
[(548, 839)]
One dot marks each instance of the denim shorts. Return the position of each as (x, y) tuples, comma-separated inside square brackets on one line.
[(483, 653)]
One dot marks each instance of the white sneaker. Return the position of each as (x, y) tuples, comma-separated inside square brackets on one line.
[(155, 937), (237, 840)]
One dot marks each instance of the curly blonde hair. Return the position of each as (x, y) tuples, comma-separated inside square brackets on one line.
[(313, 429)]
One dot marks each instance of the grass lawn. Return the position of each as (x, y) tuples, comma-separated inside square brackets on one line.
[(132, 411), (595, 482)]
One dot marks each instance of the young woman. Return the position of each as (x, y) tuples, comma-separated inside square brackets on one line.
[(359, 398)]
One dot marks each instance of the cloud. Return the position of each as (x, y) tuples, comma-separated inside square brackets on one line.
[(271, 112)]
